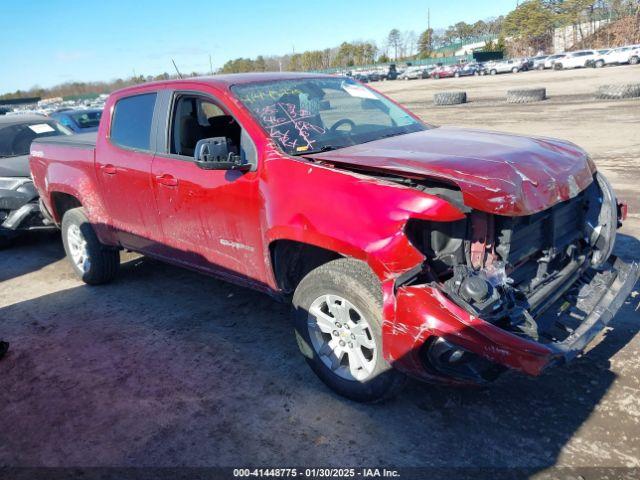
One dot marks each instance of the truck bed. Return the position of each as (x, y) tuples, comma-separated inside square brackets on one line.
[(81, 140)]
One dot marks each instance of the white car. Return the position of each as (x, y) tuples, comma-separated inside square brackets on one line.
[(576, 59), (503, 66), (413, 73), (538, 62), (629, 54), (548, 62)]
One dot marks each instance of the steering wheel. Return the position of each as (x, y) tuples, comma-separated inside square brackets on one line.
[(343, 121)]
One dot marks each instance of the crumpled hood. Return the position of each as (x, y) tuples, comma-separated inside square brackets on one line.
[(498, 173), (15, 166)]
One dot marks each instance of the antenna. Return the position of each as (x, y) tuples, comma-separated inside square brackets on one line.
[(210, 65), (176, 67)]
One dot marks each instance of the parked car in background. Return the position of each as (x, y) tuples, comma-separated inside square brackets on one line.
[(503, 66), (600, 54), (391, 73), (361, 77), (524, 64), (373, 76), (444, 71), (466, 70), (463, 253), (538, 62), (414, 73), (19, 207), (79, 121), (548, 62), (577, 59), (617, 56)]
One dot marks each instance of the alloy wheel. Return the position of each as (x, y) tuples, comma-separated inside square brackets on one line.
[(342, 337), (78, 248)]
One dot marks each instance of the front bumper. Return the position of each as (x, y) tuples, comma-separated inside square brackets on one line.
[(424, 314)]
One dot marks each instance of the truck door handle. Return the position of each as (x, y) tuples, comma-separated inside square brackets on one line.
[(109, 169), (167, 180)]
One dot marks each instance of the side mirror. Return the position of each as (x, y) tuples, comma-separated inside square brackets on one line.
[(213, 154)]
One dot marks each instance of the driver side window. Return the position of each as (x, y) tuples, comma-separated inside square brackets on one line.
[(196, 118)]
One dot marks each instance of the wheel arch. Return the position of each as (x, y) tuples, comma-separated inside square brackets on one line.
[(291, 260), (61, 202)]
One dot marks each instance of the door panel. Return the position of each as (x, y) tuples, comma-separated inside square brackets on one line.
[(128, 195), (123, 167), (210, 218)]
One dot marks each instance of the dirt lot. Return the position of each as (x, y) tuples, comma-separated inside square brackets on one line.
[(169, 368)]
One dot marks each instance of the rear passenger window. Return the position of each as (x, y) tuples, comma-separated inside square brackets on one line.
[(131, 124)]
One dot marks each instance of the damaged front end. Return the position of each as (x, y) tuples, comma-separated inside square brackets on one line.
[(519, 292)]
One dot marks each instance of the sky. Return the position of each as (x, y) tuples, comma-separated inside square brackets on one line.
[(47, 42)]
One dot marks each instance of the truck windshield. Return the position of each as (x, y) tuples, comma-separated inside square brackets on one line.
[(316, 114), (16, 138)]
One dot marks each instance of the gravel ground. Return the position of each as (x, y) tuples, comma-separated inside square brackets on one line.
[(166, 367)]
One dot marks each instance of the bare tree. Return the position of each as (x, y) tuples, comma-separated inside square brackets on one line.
[(394, 39)]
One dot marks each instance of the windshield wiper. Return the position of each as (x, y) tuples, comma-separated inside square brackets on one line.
[(324, 148)]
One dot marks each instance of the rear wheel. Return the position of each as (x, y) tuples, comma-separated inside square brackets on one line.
[(514, 70), (600, 64), (92, 261), (634, 60), (338, 327)]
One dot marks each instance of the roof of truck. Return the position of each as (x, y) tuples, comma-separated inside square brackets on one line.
[(227, 80)]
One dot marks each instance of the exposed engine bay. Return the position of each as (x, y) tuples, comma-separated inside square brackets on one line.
[(510, 271)]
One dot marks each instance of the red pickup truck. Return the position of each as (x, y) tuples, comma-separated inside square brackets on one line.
[(443, 253)]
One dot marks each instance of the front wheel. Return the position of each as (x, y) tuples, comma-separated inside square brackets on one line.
[(600, 64), (514, 70), (92, 261), (338, 327)]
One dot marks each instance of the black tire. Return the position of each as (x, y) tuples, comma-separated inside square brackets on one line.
[(634, 60), (557, 66), (449, 98), (355, 282), (526, 95), (599, 64), (103, 261), (623, 90)]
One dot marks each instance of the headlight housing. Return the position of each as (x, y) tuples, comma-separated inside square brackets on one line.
[(603, 236)]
